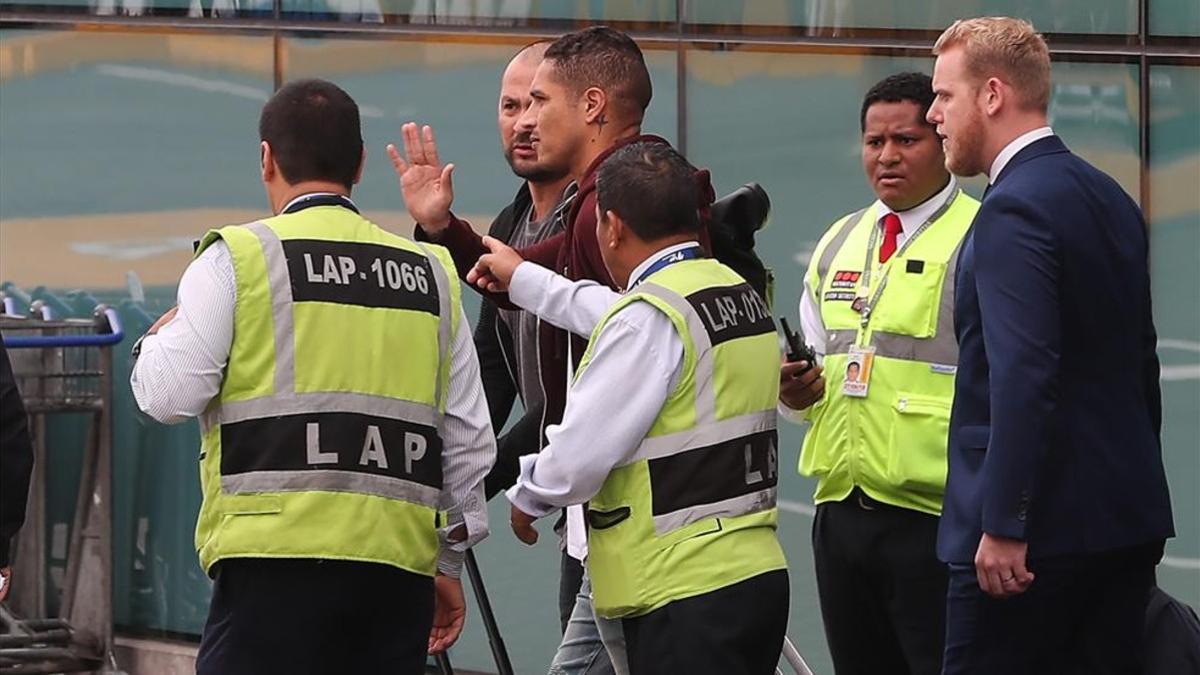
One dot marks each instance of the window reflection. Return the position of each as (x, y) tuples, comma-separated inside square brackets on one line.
[(842, 17)]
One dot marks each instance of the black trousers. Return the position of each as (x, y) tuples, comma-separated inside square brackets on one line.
[(881, 586), (1081, 615), (736, 630), (570, 578), (315, 617)]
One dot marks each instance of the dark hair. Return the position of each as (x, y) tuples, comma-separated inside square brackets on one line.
[(652, 188), (602, 57), (314, 132), (914, 87)]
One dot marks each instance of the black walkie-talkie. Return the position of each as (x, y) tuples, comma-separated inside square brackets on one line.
[(797, 349)]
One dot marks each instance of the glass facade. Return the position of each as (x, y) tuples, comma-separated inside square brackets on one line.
[(842, 16), (117, 151), (1175, 18), (126, 135), (1174, 210)]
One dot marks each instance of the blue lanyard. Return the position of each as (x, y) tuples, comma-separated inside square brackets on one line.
[(689, 253), (320, 200)]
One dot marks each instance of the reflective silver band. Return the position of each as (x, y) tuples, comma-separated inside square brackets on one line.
[(708, 430), (284, 329), (868, 263), (327, 401), (941, 349), (839, 341), (445, 318), (285, 400), (832, 249), (753, 502), (703, 436), (706, 392), (323, 480)]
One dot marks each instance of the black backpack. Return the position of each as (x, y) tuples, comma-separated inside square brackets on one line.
[(1172, 637), (733, 220)]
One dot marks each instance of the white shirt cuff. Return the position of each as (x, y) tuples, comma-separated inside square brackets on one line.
[(523, 497), (525, 287), (793, 416)]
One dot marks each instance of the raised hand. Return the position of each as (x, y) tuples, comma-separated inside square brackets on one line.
[(426, 184)]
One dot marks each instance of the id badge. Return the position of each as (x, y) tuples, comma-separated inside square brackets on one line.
[(858, 371)]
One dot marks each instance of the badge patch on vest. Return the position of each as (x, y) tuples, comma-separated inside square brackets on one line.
[(847, 296), (845, 279), (368, 275), (731, 312)]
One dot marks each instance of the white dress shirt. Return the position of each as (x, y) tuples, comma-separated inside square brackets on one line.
[(635, 365), (910, 221), (1016, 145), (180, 370)]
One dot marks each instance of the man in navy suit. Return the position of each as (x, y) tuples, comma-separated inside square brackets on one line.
[(1056, 504)]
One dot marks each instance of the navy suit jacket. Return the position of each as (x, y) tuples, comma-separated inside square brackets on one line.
[(1054, 433)]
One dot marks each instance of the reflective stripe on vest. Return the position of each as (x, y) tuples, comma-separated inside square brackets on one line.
[(334, 457), (721, 448), (694, 508), (891, 443), (286, 409)]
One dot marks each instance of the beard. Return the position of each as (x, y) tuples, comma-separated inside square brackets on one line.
[(535, 171), (964, 156)]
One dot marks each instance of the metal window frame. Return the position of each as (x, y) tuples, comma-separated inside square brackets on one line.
[(680, 36)]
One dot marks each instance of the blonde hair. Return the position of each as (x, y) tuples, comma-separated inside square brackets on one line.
[(1005, 47)]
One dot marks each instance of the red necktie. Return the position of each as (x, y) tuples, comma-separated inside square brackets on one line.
[(891, 228)]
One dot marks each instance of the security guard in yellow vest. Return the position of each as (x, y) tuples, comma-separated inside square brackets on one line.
[(344, 431), (877, 304), (669, 430)]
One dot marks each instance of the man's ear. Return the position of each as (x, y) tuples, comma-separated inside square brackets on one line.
[(995, 94), (595, 106), (618, 229), (267, 161)]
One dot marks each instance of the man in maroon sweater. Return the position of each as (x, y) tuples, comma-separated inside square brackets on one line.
[(590, 94)]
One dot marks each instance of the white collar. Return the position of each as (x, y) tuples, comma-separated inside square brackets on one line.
[(912, 219), (655, 257), (313, 194), (1016, 145)]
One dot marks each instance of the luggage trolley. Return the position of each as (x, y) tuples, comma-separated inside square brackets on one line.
[(63, 366)]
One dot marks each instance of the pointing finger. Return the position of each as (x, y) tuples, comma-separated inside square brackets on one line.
[(494, 245)]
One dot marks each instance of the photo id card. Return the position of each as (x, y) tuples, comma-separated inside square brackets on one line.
[(858, 371)]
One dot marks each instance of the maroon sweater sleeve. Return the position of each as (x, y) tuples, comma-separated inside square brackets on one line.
[(465, 246), (460, 239)]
